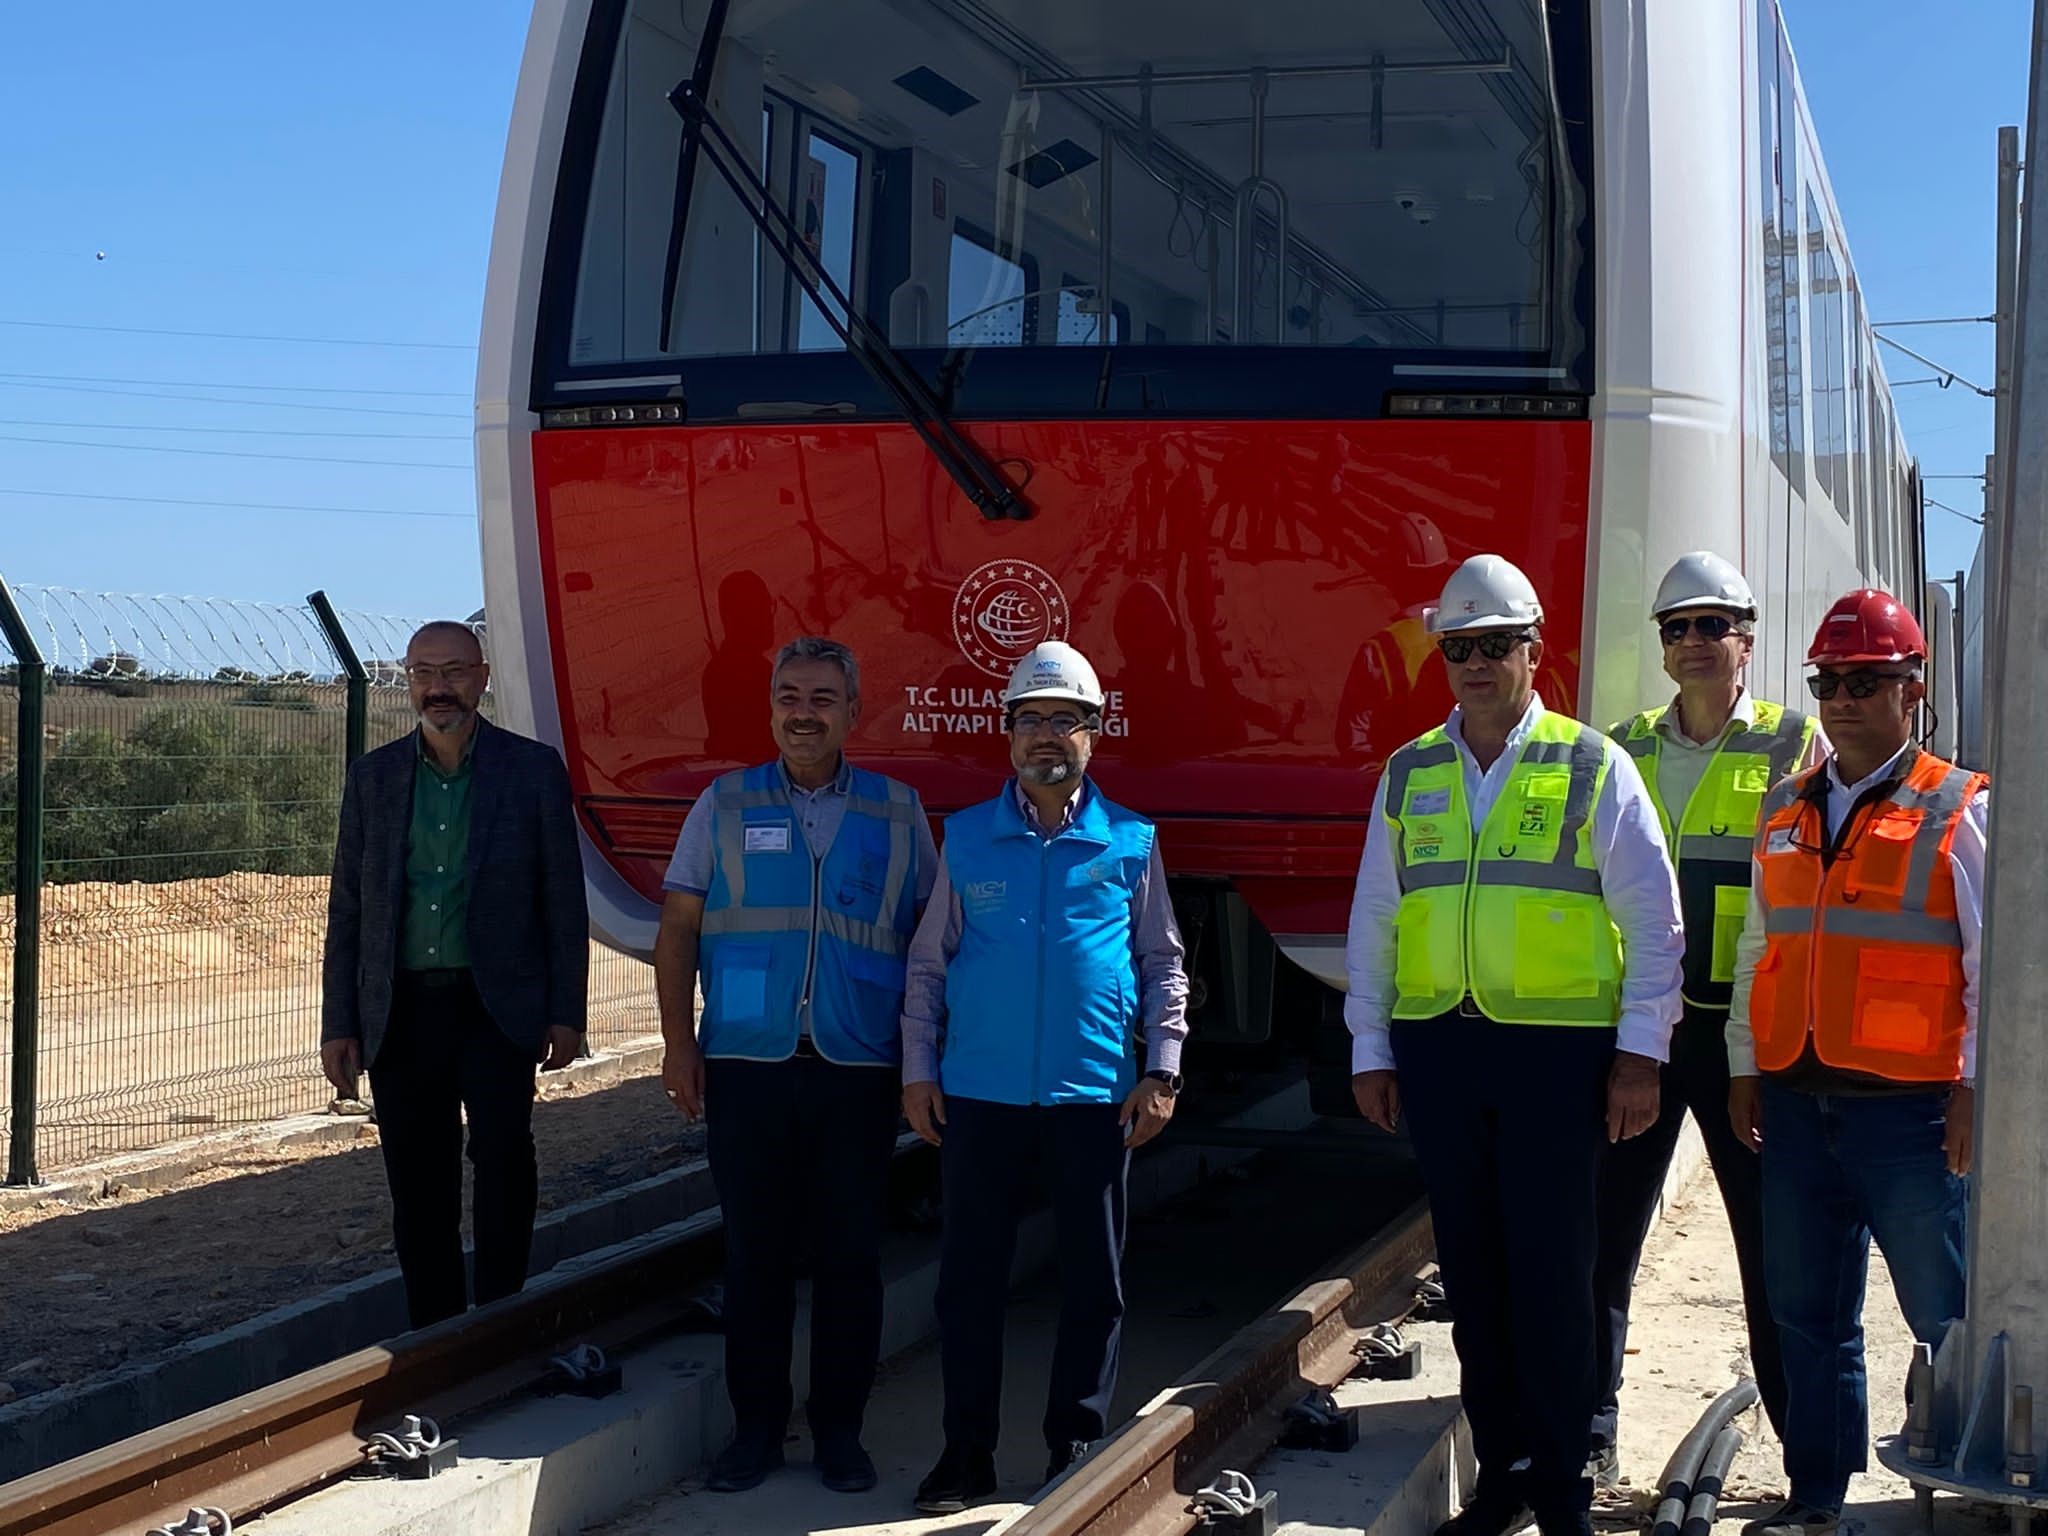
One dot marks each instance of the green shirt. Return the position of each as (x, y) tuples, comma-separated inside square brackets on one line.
[(433, 927)]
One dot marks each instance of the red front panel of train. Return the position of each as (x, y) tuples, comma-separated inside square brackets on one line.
[(1251, 593)]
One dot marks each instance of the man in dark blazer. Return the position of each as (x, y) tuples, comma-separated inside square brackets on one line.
[(458, 956)]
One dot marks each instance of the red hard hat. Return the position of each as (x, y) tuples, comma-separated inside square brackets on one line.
[(1866, 625)]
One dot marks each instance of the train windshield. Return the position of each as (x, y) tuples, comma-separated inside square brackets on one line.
[(1062, 190)]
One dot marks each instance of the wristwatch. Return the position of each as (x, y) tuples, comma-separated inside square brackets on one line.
[(1173, 1080)]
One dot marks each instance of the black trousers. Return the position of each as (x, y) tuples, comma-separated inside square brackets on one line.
[(441, 1056), (1631, 1178), (990, 1160), (1508, 1122), (800, 1153)]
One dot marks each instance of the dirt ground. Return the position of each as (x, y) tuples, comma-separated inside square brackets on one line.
[(174, 1008), (84, 1291), (1687, 1344)]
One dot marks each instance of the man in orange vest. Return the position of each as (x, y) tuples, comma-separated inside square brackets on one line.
[(1852, 1037)]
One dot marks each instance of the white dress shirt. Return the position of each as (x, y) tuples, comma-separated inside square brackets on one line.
[(1965, 862), (1683, 762), (1636, 882)]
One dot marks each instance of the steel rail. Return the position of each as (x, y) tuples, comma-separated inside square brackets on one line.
[(1227, 1410), (257, 1450)]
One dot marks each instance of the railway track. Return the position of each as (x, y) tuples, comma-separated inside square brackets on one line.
[(1228, 1410), (258, 1450), (262, 1450)]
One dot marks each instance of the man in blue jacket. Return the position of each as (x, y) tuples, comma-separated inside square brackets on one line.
[(1048, 946), (794, 890)]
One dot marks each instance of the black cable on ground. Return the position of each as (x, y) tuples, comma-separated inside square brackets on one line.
[(1711, 1479), (1685, 1467)]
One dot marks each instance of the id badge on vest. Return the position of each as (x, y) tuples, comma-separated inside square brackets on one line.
[(769, 837)]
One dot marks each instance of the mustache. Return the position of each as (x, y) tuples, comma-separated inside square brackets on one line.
[(441, 698)]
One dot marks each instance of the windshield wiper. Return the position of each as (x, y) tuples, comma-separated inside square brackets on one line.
[(978, 476)]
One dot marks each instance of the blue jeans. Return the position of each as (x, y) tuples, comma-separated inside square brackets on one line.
[(1838, 1171)]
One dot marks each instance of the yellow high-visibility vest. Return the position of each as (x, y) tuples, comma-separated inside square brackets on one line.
[(1711, 840), (1515, 916)]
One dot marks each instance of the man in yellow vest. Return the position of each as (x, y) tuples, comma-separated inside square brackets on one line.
[(1513, 959), (1852, 1038), (1707, 758)]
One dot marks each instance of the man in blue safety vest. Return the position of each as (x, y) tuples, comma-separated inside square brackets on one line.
[(794, 891), (1513, 961), (1048, 948), (1708, 758)]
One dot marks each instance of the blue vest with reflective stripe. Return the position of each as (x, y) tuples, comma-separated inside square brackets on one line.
[(1042, 994), (781, 926)]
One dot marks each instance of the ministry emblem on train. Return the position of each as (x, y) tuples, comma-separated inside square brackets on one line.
[(1003, 609)]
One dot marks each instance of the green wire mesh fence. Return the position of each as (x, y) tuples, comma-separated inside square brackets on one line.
[(193, 752)]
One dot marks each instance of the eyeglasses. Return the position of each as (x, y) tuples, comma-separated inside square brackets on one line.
[(1030, 723), (1458, 649), (454, 672), (1861, 685), (1711, 626)]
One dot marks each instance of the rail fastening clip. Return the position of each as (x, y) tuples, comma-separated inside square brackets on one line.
[(1316, 1423), (1383, 1355), (583, 1371), (416, 1449), (198, 1522), (1231, 1506)]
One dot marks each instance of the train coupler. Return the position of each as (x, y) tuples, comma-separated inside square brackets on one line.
[(415, 1449), (1232, 1506), (1383, 1355), (1316, 1423), (582, 1372)]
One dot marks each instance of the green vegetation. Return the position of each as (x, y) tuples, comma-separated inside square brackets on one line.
[(178, 791)]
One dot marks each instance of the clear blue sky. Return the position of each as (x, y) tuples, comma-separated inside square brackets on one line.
[(330, 171)]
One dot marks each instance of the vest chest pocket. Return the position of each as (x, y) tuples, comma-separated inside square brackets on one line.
[(740, 983), (1885, 853), (1535, 802), (1901, 998), (1741, 799), (1556, 948), (1731, 911)]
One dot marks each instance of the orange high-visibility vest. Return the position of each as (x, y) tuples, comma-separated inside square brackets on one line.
[(1864, 957)]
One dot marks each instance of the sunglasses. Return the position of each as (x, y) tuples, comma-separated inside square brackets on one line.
[(1861, 685), (1711, 626), (1458, 649)]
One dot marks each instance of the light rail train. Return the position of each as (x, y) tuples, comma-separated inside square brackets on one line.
[(1208, 336)]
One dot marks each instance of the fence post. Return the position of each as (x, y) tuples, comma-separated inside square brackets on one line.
[(28, 884), (356, 730)]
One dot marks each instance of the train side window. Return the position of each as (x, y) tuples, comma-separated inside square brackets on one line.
[(1789, 253), (1080, 316), (1853, 398), (1770, 155), (1830, 427), (828, 211), (991, 298)]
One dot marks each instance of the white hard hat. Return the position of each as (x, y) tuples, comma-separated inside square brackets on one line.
[(1054, 670), (1486, 592), (1703, 579)]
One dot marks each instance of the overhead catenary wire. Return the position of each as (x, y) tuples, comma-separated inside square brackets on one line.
[(302, 341), (225, 453), (1924, 359), (261, 405), (295, 389), (142, 426), (236, 506)]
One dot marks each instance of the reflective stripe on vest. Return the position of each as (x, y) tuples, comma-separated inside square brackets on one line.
[(1513, 917), (1712, 840), (783, 927), (1864, 956)]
